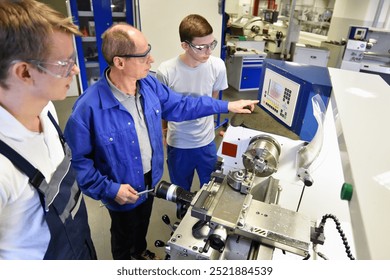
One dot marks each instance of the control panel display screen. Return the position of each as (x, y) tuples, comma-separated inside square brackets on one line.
[(279, 96)]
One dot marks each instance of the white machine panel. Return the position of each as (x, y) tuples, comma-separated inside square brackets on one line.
[(361, 104), (311, 55), (353, 55), (280, 96)]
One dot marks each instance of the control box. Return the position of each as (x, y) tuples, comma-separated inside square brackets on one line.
[(286, 90)]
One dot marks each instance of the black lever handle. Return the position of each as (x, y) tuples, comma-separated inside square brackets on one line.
[(159, 243), (166, 219)]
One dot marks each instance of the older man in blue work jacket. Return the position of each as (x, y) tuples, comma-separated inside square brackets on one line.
[(116, 137)]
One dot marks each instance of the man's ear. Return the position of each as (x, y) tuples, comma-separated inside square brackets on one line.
[(184, 46), (22, 70), (117, 62)]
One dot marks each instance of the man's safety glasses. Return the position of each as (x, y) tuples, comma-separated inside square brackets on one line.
[(202, 48), (139, 55), (58, 69)]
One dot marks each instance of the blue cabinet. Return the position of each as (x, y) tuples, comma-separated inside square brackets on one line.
[(250, 78), (93, 18), (244, 71)]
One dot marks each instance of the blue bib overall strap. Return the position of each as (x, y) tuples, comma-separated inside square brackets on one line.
[(63, 204), (34, 175), (59, 131)]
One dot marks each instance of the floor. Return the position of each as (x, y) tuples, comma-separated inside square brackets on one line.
[(99, 219)]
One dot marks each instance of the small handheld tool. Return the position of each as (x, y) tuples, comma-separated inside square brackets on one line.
[(145, 192)]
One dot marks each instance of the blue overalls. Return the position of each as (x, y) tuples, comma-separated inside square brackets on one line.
[(63, 205)]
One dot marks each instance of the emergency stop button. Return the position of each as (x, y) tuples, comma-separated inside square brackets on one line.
[(346, 192)]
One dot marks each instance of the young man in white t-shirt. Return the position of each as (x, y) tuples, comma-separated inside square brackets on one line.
[(190, 144)]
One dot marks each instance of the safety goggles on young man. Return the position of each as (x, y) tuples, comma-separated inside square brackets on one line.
[(58, 69), (202, 48), (143, 56)]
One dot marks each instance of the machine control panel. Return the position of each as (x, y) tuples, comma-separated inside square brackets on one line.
[(279, 96)]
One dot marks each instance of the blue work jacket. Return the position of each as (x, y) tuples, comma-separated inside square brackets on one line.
[(104, 143)]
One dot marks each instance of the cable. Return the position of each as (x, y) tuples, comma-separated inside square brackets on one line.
[(341, 232)]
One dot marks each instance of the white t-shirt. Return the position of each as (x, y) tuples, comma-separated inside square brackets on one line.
[(201, 80), (24, 233)]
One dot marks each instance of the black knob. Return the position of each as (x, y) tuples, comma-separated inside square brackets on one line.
[(159, 243), (166, 220)]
